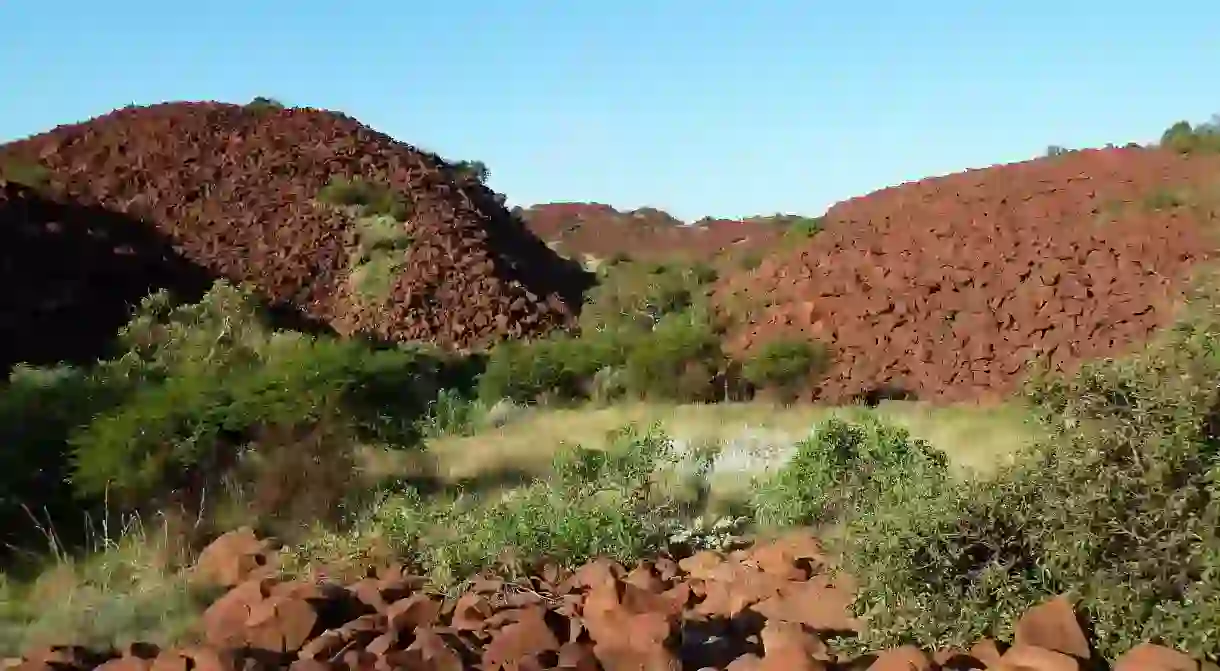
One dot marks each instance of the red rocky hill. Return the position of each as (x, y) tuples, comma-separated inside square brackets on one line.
[(944, 288), (603, 232), (233, 190)]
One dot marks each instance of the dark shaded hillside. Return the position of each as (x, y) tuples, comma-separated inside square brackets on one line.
[(72, 274), (236, 189)]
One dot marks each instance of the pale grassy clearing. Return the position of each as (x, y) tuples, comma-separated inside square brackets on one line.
[(977, 438)]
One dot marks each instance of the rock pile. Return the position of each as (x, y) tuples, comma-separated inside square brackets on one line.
[(945, 288), (234, 190), (766, 608)]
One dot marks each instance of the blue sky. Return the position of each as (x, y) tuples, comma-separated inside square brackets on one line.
[(710, 107)]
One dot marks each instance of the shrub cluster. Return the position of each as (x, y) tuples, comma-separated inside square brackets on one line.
[(646, 331), (1118, 506), (370, 199), (209, 400), (598, 503), (1184, 138)]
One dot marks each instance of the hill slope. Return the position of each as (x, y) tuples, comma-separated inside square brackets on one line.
[(235, 191), (947, 286), (603, 232)]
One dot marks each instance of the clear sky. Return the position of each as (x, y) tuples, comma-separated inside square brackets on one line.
[(709, 107)]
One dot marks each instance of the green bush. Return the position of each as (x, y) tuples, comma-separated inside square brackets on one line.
[(636, 294), (26, 173), (1184, 138), (263, 103), (212, 389), (1118, 507), (806, 227), (40, 409), (679, 360), (785, 364), (846, 469), (472, 170), (381, 246), (600, 503), (370, 198), (524, 371)]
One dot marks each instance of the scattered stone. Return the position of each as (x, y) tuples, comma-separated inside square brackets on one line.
[(771, 607)]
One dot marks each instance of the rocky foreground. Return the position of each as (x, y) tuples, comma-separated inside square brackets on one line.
[(770, 607)]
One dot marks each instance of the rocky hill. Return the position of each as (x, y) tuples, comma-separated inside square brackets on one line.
[(946, 287), (239, 192)]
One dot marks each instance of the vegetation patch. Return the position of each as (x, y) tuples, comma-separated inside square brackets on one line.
[(369, 199), (805, 227), (597, 503), (209, 404), (646, 331), (786, 364), (380, 253), (1117, 506), (846, 470), (1184, 138), (263, 103), (1167, 198), (26, 173)]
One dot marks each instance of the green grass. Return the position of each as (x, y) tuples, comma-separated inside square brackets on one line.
[(381, 245)]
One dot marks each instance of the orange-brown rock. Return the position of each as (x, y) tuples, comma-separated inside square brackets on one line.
[(771, 607), (1053, 625), (234, 558)]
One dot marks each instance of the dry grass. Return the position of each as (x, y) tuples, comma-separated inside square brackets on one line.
[(131, 586), (976, 438)]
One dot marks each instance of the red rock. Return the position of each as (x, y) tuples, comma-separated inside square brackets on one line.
[(234, 558), (906, 658), (1052, 625), (417, 610), (1149, 657), (281, 624), (1031, 658)]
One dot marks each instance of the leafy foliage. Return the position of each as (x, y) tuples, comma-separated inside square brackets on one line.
[(1118, 506), (1184, 138), (599, 503), (645, 331), (785, 364), (26, 173), (369, 198), (844, 470)]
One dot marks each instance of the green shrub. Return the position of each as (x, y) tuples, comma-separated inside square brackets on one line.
[(525, 370), (263, 103), (1184, 138), (26, 173), (369, 198), (645, 331), (40, 409), (216, 385), (1166, 199), (1118, 507), (785, 364), (679, 360), (600, 503), (846, 469), (806, 227), (471, 170), (636, 294)]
